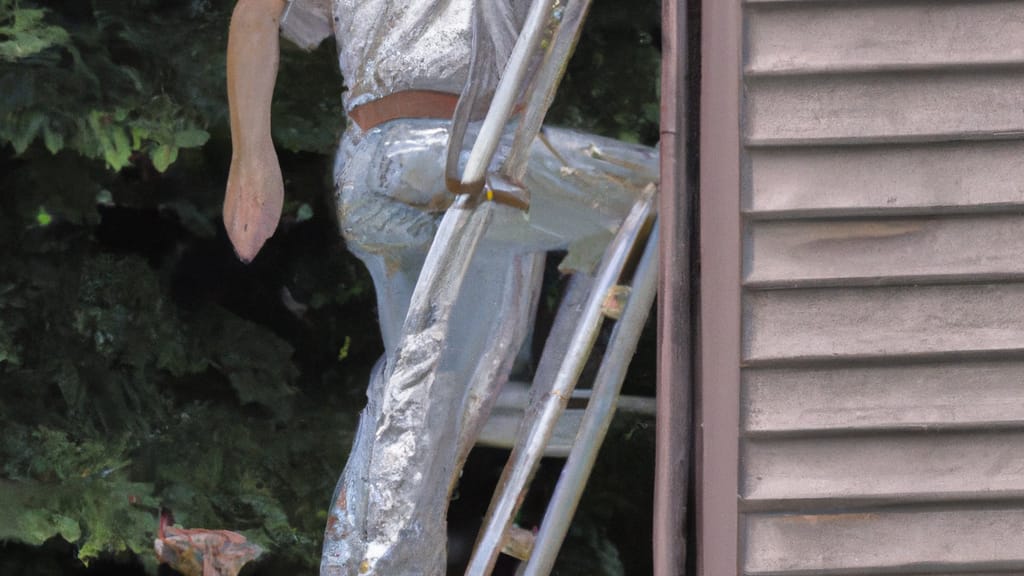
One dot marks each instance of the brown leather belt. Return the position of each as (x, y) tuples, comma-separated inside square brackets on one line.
[(405, 104), (437, 105)]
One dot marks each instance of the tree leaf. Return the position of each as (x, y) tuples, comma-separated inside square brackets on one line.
[(28, 128), (117, 150), (54, 141), (192, 138), (163, 156), (138, 135)]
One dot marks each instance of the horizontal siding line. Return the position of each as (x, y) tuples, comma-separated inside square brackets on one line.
[(917, 569), (880, 213), (965, 279), (996, 569), (754, 73), (921, 361), (900, 504), (905, 73), (874, 430), (847, 502), (841, 2), (887, 360), (895, 140), (889, 147)]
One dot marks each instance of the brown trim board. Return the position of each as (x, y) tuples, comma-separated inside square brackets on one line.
[(671, 474), (718, 336)]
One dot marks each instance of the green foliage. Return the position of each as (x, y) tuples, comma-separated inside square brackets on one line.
[(117, 398), (121, 327), (611, 86), (307, 111), (26, 33), (134, 82), (77, 489), (126, 104), (98, 423)]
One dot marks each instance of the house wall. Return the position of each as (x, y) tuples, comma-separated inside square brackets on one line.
[(881, 195)]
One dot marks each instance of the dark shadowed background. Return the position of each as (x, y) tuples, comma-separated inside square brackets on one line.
[(142, 367)]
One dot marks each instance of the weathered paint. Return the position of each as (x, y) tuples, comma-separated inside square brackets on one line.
[(672, 468), (908, 178), (871, 36), (904, 466), (913, 106), (930, 396), (903, 541), (879, 154), (874, 323), (892, 251)]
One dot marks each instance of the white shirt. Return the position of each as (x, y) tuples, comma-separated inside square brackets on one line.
[(385, 46)]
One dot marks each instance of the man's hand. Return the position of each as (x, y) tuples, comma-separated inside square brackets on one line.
[(255, 192), (252, 204)]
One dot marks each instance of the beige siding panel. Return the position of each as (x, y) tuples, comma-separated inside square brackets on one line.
[(887, 107), (883, 301), (941, 395), (873, 322), (904, 467), (961, 176), (882, 251), (874, 35), (964, 541)]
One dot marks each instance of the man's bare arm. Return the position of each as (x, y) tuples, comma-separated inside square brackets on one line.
[(255, 190)]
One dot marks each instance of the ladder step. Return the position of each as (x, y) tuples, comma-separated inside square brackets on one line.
[(518, 543), (503, 423)]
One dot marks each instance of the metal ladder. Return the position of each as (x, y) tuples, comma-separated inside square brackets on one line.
[(585, 307), (557, 374)]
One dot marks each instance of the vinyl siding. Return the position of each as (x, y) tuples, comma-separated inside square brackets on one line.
[(882, 398)]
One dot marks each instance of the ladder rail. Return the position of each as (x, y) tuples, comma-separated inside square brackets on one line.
[(598, 416), (536, 430)]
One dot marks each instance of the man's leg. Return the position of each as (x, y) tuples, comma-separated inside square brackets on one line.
[(388, 515), (443, 364), (581, 187)]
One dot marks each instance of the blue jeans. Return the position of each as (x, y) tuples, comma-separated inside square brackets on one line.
[(391, 196)]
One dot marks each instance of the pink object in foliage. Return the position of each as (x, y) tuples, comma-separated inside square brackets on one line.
[(200, 552)]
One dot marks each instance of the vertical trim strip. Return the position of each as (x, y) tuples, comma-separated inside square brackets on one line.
[(671, 473), (718, 356)]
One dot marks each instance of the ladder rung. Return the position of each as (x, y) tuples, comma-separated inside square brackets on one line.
[(503, 422), (519, 543)]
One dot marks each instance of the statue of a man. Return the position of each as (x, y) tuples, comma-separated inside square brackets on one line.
[(404, 64)]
